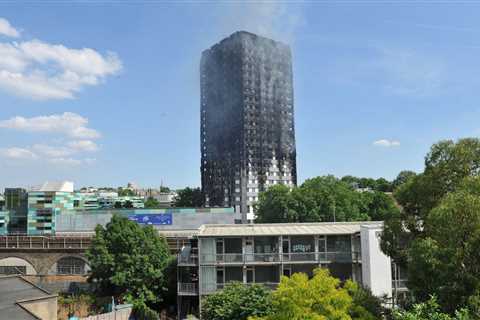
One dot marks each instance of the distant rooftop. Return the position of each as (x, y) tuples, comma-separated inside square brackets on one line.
[(56, 186), (276, 229)]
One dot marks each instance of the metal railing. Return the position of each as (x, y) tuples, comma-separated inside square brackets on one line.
[(212, 287), (44, 242), (187, 260), (246, 258), (187, 288), (400, 284)]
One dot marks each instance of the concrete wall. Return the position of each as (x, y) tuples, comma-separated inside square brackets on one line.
[(61, 283), (376, 266)]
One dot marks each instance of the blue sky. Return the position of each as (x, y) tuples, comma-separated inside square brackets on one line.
[(105, 93)]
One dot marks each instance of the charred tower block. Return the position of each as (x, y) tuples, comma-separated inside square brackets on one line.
[(247, 120)]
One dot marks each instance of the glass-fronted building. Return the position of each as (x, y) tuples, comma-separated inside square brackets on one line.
[(43, 207)]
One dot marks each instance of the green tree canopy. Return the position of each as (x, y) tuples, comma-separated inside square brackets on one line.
[(322, 199), (403, 177), (123, 192), (237, 301), (152, 203), (164, 189), (445, 261), (128, 261), (319, 298), (429, 310), (446, 166), (189, 197)]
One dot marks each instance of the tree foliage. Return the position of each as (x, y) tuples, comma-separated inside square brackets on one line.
[(380, 184), (164, 189), (446, 260), (429, 310), (128, 262), (189, 197), (124, 192), (402, 178), (446, 166), (237, 302), (437, 232), (319, 298), (322, 199), (152, 203)]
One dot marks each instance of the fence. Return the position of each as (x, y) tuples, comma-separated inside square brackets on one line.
[(122, 314)]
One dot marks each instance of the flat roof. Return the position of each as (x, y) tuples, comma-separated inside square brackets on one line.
[(277, 229), (15, 290)]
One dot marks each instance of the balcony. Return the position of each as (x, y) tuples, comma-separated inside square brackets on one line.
[(187, 289), (184, 260), (275, 258), (209, 288), (399, 284)]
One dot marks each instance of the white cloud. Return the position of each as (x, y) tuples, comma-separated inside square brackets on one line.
[(72, 147), (6, 29), (65, 161), (52, 151), (70, 124), (89, 160), (386, 143), (17, 153), (83, 145), (42, 71)]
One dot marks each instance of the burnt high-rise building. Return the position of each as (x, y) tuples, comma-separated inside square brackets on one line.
[(247, 120)]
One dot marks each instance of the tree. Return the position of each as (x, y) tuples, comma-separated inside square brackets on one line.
[(164, 189), (152, 203), (383, 185), (189, 197), (446, 165), (402, 177), (378, 205), (320, 298), (128, 261), (429, 310), (237, 302), (122, 192), (128, 204), (275, 205), (365, 306), (322, 199), (445, 261)]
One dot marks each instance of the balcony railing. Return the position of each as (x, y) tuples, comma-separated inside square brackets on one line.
[(212, 287), (23, 242), (187, 260), (255, 258), (187, 289), (400, 284)]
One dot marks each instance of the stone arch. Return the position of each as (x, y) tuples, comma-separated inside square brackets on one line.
[(22, 264), (70, 264)]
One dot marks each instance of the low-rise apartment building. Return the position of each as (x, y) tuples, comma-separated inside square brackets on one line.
[(262, 253)]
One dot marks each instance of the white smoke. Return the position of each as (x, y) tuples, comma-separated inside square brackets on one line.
[(276, 20)]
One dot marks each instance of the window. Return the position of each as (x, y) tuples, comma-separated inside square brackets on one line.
[(71, 265), (7, 270)]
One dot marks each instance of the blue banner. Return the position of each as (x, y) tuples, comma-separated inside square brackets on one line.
[(153, 219)]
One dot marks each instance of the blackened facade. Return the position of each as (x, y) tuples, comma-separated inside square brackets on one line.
[(247, 120)]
